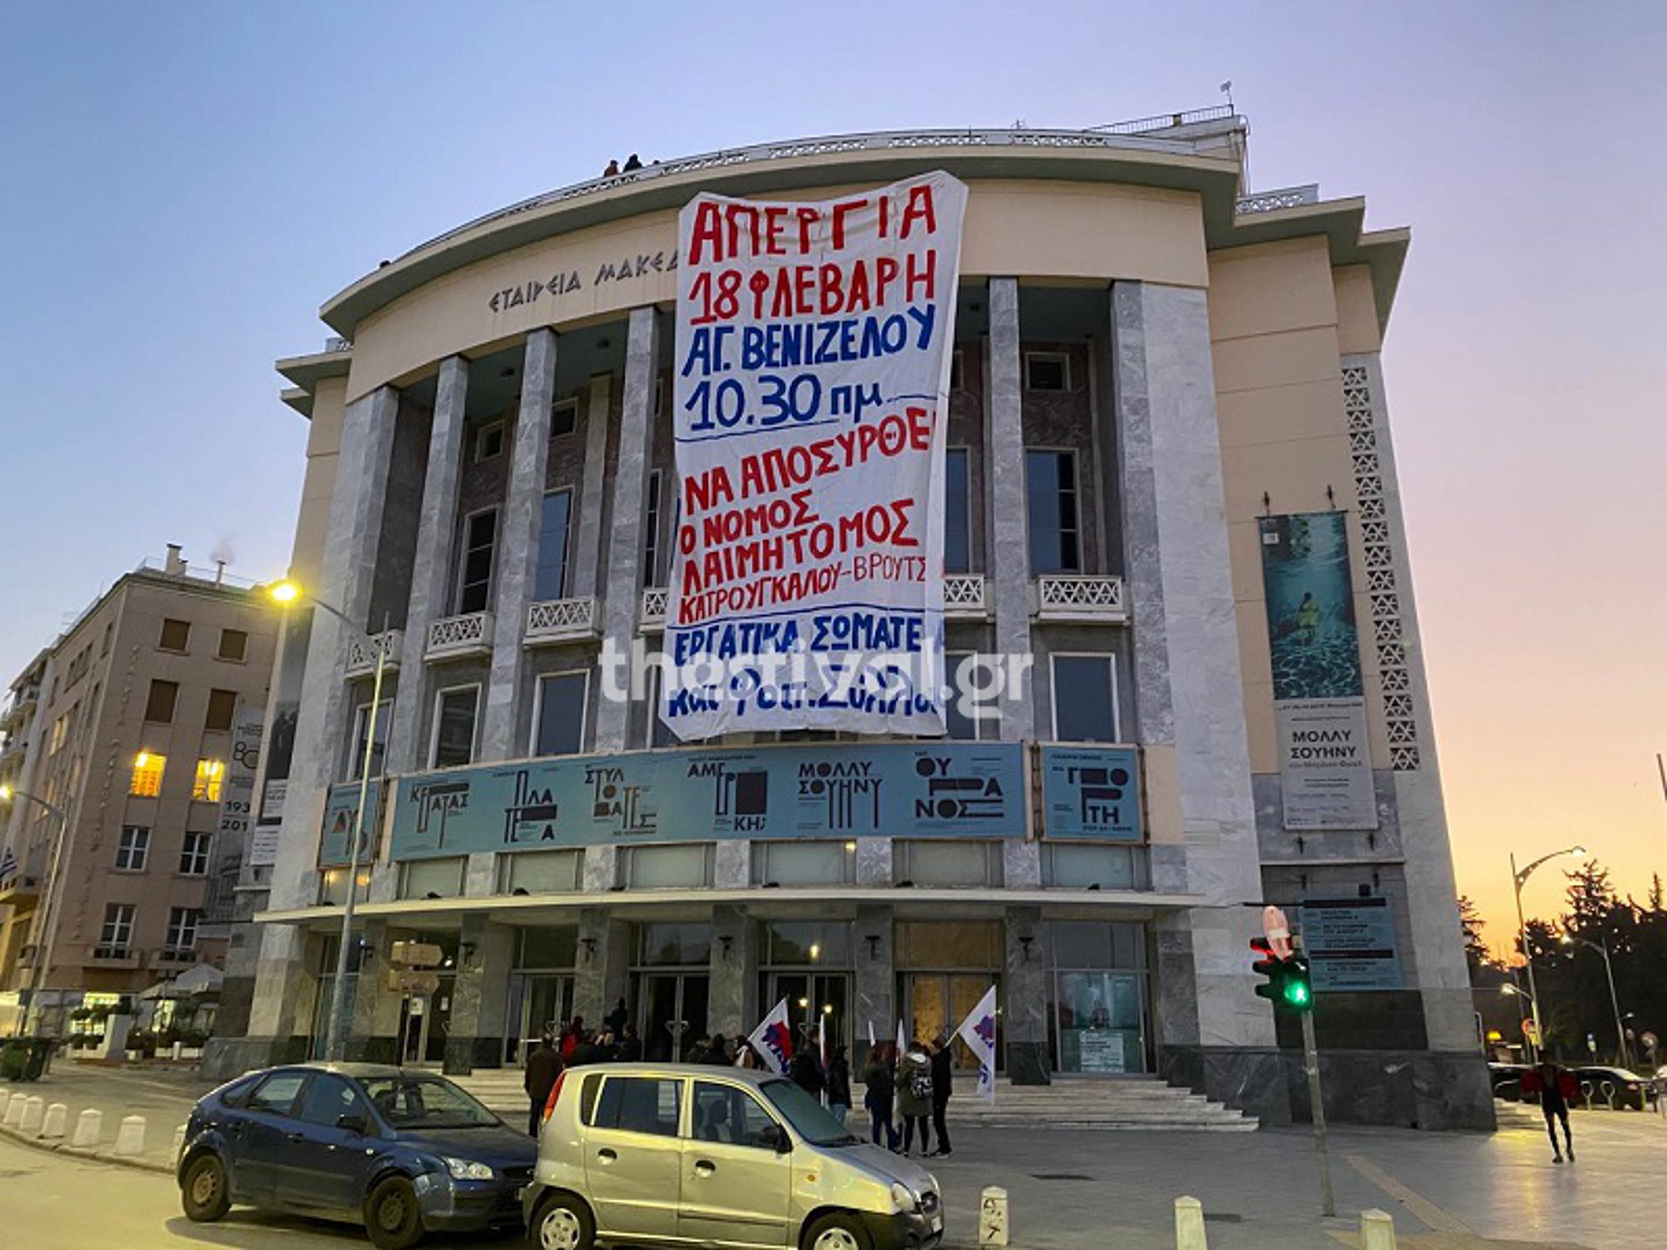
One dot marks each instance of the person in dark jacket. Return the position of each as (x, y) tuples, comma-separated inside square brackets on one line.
[(630, 1045), (615, 1019), (943, 1078), (839, 1084), (543, 1067), (585, 1051), (1555, 1086), (881, 1091), (805, 1071), (914, 1097)]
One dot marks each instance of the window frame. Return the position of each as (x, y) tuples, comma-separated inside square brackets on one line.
[(134, 790), (115, 931), (957, 370), (965, 452), (1076, 511), (355, 751), (150, 700), (403, 885), (242, 656), (1039, 355), (228, 698), (1116, 690), (434, 726), (208, 789), (631, 854), (761, 850), (463, 549), (498, 426), (984, 728), (995, 868), (183, 922), (679, 1131), (538, 710), (507, 861), (567, 546), (653, 508), (162, 637), (125, 848), (194, 849), (569, 404)]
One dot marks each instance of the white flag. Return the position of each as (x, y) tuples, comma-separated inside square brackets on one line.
[(902, 1043), (871, 1035), (978, 1030), (772, 1040)]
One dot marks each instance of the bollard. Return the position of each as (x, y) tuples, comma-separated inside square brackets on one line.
[(1377, 1231), (992, 1217), (34, 1111), (179, 1141), (89, 1127), (57, 1120), (1189, 1225), (14, 1109), (130, 1137)]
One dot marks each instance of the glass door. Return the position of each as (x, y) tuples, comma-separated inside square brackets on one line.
[(935, 1003), (817, 997), (1099, 1023), (673, 1013), (537, 1001)]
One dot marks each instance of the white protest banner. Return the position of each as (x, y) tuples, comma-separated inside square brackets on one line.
[(810, 417), (978, 1031)]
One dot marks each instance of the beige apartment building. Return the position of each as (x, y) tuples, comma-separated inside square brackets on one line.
[(136, 724), (1170, 485)]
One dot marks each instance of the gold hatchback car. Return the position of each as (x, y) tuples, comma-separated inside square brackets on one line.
[(661, 1155)]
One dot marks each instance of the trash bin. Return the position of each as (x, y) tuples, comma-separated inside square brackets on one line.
[(24, 1058)]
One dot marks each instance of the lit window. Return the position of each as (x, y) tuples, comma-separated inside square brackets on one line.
[(147, 774), (207, 784), (133, 848), (193, 855)]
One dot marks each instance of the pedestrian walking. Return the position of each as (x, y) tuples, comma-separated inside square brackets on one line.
[(839, 1084), (914, 1097), (943, 1085), (880, 1094), (1555, 1085), (543, 1067), (805, 1072)]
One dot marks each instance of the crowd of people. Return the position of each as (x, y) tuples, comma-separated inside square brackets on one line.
[(912, 1087)]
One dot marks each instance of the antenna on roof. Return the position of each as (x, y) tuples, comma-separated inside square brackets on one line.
[(1226, 89)]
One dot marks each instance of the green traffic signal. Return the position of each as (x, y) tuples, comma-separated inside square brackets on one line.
[(1296, 988)]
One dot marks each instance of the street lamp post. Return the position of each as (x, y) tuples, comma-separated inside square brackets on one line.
[(1518, 876), (1614, 1002), (335, 1035), (43, 946)]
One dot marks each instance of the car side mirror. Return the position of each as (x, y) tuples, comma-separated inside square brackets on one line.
[(353, 1124), (777, 1139)]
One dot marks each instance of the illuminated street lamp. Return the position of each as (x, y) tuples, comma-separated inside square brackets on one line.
[(286, 592), (1570, 939), (43, 944), (1518, 876)]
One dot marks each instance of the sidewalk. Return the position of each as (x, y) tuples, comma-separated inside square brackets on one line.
[(163, 1095)]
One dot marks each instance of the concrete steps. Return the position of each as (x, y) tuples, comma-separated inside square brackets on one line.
[(1142, 1103)]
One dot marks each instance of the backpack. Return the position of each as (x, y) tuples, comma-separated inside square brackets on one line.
[(920, 1082)]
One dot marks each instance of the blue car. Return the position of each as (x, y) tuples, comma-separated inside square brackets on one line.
[(403, 1152)]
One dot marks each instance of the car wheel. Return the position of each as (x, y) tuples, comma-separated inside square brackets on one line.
[(393, 1217), (204, 1193), (562, 1222), (837, 1232)]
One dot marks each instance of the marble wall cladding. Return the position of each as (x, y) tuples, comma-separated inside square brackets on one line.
[(601, 869), (601, 976), (874, 984), (732, 999), (1024, 999), (431, 566), (1168, 868), (1005, 496), (480, 875), (732, 864), (1283, 845), (1174, 984), (874, 864), (1021, 864)]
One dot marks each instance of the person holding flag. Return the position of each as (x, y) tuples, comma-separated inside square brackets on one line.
[(772, 1041), (978, 1031)]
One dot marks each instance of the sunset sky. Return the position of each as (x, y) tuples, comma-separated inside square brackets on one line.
[(187, 183)]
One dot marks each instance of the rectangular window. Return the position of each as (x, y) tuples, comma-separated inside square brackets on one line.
[(804, 863), (1085, 866), (968, 714), (564, 417), (957, 371), (957, 536), (559, 720), (431, 878), (115, 938), (222, 707), (480, 540), (1085, 698), (540, 872), (205, 787), (133, 848), (60, 733), (147, 774), (159, 704), (635, 1104), (1047, 371), (176, 635), (193, 855), (651, 544), (1051, 502), (454, 726), (489, 441), (550, 579), (672, 867), (659, 733), (332, 887), (928, 863), (182, 930), (361, 724), (234, 645)]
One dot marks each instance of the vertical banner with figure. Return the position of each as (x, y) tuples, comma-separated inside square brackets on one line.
[(1325, 763), (810, 415)]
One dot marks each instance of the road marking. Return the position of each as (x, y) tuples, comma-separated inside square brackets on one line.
[(1434, 1217)]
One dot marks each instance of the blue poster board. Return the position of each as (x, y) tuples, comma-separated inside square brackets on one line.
[(341, 806), (1350, 944), (835, 790), (1091, 792)]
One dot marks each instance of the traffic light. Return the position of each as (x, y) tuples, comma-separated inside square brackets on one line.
[(1287, 982)]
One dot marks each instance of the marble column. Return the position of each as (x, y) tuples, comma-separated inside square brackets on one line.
[(622, 580), (587, 547), (431, 570), (347, 574), (518, 547), (1004, 440), (602, 974), (373, 1022), (874, 988), (732, 1002), (479, 995), (1189, 695), (1025, 994)]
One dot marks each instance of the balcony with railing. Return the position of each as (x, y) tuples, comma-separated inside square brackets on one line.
[(561, 620), (964, 597), (363, 650), (653, 611), (464, 637), (1083, 598)]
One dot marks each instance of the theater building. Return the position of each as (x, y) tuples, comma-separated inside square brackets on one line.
[(1166, 393)]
